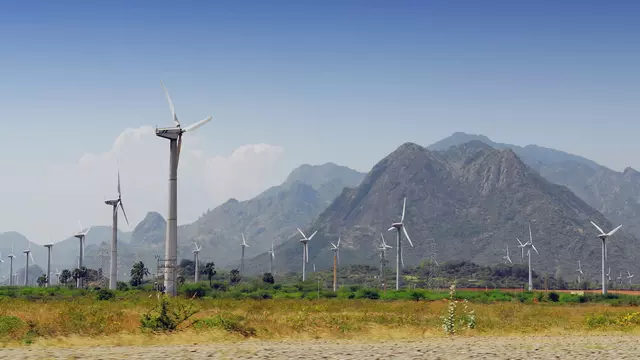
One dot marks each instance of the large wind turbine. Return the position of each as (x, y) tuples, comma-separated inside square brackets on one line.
[(243, 245), (400, 227), (305, 252), (528, 245), (113, 265), (383, 260), (579, 271), (27, 255), (272, 255), (49, 246), (603, 236), (196, 256), (630, 276), (174, 135), (506, 257), (336, 258), (11, 257), (81, 237)]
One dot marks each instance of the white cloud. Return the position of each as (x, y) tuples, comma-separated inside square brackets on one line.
[(77, 190)]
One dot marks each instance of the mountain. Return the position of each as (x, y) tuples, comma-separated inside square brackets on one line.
[(466, 203), (270, 216), (615, 194)]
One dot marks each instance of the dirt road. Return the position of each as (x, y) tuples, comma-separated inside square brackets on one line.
[(547, 347)]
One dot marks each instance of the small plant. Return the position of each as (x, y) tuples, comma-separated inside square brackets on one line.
[(267, 278), (105, 294), (122, 286), (168, 314), (449, 320), (553, 296), (469, 316)]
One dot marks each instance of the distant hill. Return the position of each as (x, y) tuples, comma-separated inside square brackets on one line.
[(466, 203), (615, 194)]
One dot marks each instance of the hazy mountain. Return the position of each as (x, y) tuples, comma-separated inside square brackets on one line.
[(466, 203), (615, 194)]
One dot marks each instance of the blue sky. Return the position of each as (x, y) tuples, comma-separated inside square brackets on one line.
[(341, 81)]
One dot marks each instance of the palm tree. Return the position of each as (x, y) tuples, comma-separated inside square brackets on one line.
[(210, 270), (138, 272)]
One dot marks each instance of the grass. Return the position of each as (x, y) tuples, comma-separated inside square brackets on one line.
[(68, 317)]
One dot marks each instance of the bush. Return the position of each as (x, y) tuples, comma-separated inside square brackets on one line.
[(329, 294), (194, 290), (417, 295), (105, 294), (122, 286), (168, 314), (553, 296), (11, 327), (219, 286), (267, 278), (368, 294)]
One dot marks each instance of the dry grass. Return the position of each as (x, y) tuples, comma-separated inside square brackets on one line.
[(87, 322)]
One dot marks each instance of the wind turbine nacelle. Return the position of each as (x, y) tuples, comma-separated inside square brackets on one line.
[(172, 133)]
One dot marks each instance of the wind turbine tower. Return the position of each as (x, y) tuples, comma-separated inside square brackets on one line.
[(196, 255), (174, 135), (579, 271), (49, 246), (81, 236), (336, 258), (11, 257), (603, 236), (528, 245), (28, 255), (400, 227), (383, 260), (305, 252), (113, 264), (272, 255), (243, 245)]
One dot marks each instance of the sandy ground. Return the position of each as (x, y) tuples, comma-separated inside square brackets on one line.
[(548, 347)]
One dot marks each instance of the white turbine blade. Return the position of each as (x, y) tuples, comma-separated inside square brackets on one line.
[(338, 257), (383, 242), (243, 240), (31, 256), (273, 254), (404, 206), (338, 242), (391, 228), (510, 262), (312, 235), (79, 223), (123, 212), (119, 192), (534, 248), (404, 229), (597, 227), (173, 110), (333, 245), (530, 237), (197, 124), (614, 230), (303, 235), (402, 258), (306, 252), (520, 242)]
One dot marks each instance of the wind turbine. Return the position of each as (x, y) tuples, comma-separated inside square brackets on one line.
[(603, 236), (174, 135), (196, 254), (528, 245), (507, 258), (11, 257), (1, 261), (579, 271), (27, 255), (336, 258), (272, 255), (383, 261), (81, 236), (58, 273), (630, 276), (399, 226), (305, 252), (49, 246), (243, 245), (113, 264)]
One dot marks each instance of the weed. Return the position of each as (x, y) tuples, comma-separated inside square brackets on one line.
[(167, 315)]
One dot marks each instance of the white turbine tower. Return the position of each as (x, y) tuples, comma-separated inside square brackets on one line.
[(507, 258), (174, 135), (49, 246), (603, 236), (305, 252), (579, 271), (528, 245), (609, 274), (113, 264), (28, 255), (11, 257), (272, 255), (336, 258), (196, 255), (58, 273), (81, 236), (383, 260), (243, 245), (400, 227)]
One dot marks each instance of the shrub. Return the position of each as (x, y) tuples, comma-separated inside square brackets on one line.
[(368, 294), (122, 286), (417, 295), (329, 294), (105, 294), (11, 327), (168, 314), (219, 286), (553, 296), (267, 278), (228, 322), (194, 290)]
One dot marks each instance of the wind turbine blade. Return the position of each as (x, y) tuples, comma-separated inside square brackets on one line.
[(534, 248), (520, 242), (530, 237), (124, 212), (404, 229), (402, 258), (119, 193), (243, 240), (312, 235), (614, 230), (338, 242), (510, 262), (197, 124), (179, 148), (81, 228), (404, 206), (391, 228), (383, 243), (303, 235), (31, 256), (338, 257), (173, 110), (597, 227), (306, 252)]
